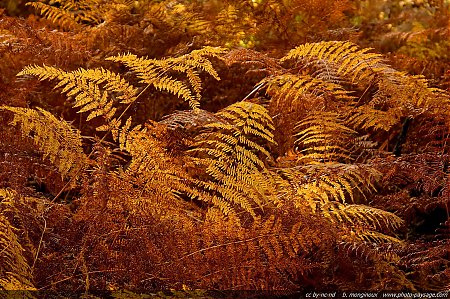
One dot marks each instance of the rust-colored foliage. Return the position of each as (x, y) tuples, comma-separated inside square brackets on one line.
[(182, 148)]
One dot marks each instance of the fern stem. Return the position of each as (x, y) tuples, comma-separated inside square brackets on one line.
[(254, 90), (39, 245)]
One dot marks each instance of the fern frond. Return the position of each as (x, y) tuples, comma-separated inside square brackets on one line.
[(15, 272), (317, 185), (198, 59), (232, 156), (323, 136), (376, 237), (57, 139), (398, 97), (61, 17), (251, 118), (72, 14), (277, 245), (366, 117), (91, 90), (361, 216), (295, 86), (350, 60), (154, 72)]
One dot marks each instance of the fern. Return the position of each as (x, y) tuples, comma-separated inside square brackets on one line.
[(154, 72), (294, 88), (323, 137), (277, 245), (153, 170), (412, 93), (397, 97), (366, 117), (233, 157), (62, 17), (57, 139), (395, 94), (86, 87), (15, 272), (375, 219), (317, 184), (350, 61), (150, 167), (72, 14)]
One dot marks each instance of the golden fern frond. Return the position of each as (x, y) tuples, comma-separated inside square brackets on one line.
[(323, 136), (57, 139), (233, 157), (366, 117), (148, 156), (198, 59), (295, 87), (327, 71), (361, 216), (154, 72), (250, 118), (375, 237), (316, 185), (367, 249), (398, 97), (61, 17), (15, 272), (227, 16), (347, 56), (71, 14), (158, 13), (295, 96), (91, 90)]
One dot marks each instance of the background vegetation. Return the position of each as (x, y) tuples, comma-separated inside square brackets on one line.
[(195, 146)]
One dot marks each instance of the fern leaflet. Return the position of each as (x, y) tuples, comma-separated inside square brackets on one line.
[(57, 139)]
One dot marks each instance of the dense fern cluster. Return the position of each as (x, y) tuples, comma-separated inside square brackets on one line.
[(195, 146)]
